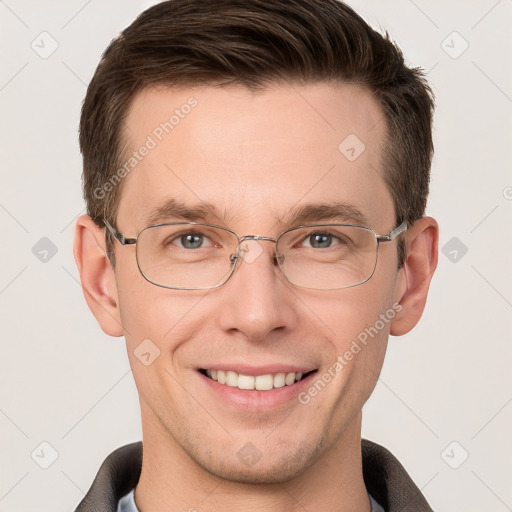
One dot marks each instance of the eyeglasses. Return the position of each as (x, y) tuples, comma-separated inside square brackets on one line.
[(194, 256)]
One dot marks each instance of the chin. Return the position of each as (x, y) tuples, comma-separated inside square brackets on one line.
[(260, 473), (266, 467)]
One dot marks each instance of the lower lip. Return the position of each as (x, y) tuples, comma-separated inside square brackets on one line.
[(257, 400)]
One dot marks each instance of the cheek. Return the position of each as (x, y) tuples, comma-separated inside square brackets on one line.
[(157, 324), (147, 310), (359, 312), (360, 320)]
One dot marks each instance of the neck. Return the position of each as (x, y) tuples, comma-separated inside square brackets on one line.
[(171, 480)]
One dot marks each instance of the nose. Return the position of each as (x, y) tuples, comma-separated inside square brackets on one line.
[(258, 300)]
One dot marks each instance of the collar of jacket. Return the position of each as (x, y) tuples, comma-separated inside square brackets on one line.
[(385, 479)]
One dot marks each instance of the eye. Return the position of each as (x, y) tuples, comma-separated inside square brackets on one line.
[(321, 240), (195, 240)]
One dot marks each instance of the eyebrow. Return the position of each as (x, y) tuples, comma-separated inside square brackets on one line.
[(173, 209), (337, 211), (177, 210)]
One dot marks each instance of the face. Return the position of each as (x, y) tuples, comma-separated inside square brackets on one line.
[(255, 158)]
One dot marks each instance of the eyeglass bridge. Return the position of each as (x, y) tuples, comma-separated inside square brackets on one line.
[(278, 258)]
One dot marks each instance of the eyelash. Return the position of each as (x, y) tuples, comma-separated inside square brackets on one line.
[(180, 236)]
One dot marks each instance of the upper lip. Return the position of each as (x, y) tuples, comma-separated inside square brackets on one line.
[(245, 369)]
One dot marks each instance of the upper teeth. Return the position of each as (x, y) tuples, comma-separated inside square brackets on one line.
[(260, 382)]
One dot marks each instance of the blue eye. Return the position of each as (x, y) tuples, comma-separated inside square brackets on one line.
[(188, 240), (318, 240), (321, 240), (191, 240)]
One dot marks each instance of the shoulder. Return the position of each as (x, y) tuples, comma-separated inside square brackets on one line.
[(118, 474), (388, 481)]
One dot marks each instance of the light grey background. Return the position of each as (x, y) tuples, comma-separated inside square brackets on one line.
[(445, 390)]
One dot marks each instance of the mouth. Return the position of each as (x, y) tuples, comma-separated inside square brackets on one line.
[(265, 382)]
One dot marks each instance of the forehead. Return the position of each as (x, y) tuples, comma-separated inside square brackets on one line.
[(254, 156)]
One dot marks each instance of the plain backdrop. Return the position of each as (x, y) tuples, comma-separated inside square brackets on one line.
[(443, 402)]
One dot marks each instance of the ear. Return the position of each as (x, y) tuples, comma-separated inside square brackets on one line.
[(414, 277), (97, 275)]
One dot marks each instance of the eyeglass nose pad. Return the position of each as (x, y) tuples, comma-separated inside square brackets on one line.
[(233, 258)]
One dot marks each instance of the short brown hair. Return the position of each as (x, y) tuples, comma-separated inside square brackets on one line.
[(256, 43)]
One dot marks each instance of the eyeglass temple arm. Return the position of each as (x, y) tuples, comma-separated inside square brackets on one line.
[(393, 233), (119, 236)]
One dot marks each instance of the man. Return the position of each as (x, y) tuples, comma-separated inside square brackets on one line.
[(256, 174)]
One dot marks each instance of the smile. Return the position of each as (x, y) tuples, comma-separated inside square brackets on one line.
[(250, 382)]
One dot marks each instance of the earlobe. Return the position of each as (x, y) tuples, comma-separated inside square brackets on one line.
[(414, 278), (97, 275)]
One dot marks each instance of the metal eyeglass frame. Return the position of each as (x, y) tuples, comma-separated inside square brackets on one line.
[(234, 258)]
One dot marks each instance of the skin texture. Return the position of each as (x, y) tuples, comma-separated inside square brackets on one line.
[(255, 157)]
